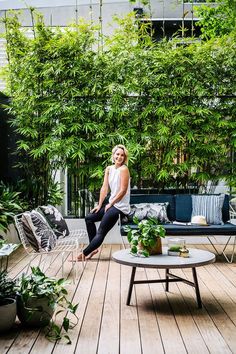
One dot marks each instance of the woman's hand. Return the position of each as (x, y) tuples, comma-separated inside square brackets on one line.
[(108, 206), (96, 209)]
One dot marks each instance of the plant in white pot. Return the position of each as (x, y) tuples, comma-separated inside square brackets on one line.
[(7, 302), (145, 240), (40, 299)]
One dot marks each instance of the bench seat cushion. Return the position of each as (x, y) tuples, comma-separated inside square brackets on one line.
[(194, 230)]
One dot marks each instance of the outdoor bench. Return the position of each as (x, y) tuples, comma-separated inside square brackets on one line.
[(180, 209)]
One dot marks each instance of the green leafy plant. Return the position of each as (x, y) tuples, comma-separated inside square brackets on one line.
[(7, 287), (217, 20), (171, 104), (38, 286), (10, 204), (146, 235), (2, 242)]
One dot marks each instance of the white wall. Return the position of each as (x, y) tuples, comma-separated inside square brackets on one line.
[(113, 237)]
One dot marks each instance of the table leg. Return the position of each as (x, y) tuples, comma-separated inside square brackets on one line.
[(131, 283), (199, 301), (167, 280)]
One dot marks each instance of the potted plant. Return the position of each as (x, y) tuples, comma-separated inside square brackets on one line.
[(146, 239), (40, 299), (7, 302)]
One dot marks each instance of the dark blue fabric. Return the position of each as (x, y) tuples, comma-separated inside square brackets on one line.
[(225, 209), (156, 198), (195, 230), (183, 207)]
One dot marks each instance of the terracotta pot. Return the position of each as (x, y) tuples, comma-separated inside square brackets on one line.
[(7, 314), (157, 249)]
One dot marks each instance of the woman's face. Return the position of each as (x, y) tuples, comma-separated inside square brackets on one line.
[(119, 157)]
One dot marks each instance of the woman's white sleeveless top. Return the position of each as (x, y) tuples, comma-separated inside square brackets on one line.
[(114, 184)]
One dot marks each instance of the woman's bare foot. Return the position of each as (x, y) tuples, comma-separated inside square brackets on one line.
[(92, 254), (81, 257)]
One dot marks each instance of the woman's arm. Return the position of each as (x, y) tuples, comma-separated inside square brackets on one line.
[(124, 183), (103, 191)]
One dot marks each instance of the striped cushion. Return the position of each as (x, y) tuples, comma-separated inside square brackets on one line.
[(209, 206)]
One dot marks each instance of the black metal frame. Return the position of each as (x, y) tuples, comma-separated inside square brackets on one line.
[(167, 280)]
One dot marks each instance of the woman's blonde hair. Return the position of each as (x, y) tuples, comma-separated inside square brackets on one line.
[(125, 153)]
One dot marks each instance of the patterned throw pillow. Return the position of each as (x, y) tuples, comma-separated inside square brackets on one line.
[(44, 235), (29, 232), (55, 220), (159, 212), (147, 210), (209, 206)]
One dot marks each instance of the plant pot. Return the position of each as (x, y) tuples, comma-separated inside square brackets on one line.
[(35, 312), (156, 249), (7, 314)]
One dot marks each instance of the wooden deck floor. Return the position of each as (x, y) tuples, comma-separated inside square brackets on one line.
[(156, 322)]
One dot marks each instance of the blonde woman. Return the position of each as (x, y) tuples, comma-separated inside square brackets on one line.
[(117, 181)]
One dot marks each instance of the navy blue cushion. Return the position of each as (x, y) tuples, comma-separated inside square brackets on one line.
[(156, 198), (183, 207), (225, 209), (194, 230)]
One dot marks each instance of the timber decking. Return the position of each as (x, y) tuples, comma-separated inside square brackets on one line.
[(160, 323)]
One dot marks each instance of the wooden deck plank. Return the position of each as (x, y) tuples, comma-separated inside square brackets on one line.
[(214, 325), (130, 341), (81, 296), (227, 269), (109, 341), (191, 336), (156, 321), (89, 334), (166, 320), (151, 341)]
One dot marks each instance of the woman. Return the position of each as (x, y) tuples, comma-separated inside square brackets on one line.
[(117, 180)]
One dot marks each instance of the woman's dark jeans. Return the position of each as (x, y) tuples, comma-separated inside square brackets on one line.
[(108, 220)]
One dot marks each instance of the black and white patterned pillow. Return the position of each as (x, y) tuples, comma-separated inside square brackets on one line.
[(29, 232), (209, 206), (147, 210), (44, 235), (55, 220), (159, 212)]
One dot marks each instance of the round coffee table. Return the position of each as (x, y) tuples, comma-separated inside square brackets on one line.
[(197, 258)]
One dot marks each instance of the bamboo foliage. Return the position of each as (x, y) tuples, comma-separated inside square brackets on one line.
[(167, 102)]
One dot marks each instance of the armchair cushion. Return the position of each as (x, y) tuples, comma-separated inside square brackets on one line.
[(55, 220), (44, 235)]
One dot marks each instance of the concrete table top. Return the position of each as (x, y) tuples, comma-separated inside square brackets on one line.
[(196, 258)]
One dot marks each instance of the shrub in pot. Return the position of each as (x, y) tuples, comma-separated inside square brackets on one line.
[(40, 299), (7, 302), (146, 239)]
